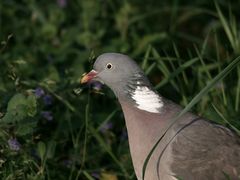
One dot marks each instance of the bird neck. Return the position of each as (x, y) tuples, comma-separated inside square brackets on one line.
[(144, 130), (139, 93)]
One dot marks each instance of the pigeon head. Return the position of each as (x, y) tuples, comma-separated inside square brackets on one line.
[(112, 69), (126, 79), (115, 70)]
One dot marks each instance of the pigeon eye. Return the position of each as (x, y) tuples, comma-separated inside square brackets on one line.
[(109, 66)]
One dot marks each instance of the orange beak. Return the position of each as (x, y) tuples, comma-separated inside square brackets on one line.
[(89, 76)]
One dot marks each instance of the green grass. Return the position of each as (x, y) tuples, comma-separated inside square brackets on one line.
[(189, 50)]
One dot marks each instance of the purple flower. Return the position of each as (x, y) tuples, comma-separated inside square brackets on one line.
[(95, 175), (14, 144), (39, 92), (62, 3), (47, 115), (47, 99), (106, 126)]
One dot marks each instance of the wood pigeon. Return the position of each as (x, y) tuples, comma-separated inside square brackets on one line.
[(192, 149)]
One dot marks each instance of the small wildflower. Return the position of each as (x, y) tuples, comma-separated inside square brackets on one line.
[(62, 3), (39, 92), (47, 115), (106, 126), (95, 175), (14, 144), (47, 99)]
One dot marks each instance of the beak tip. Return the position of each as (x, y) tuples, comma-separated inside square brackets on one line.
[(88, 77), (83, 80)]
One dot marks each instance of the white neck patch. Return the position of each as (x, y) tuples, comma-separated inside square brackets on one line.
[(147, 100)]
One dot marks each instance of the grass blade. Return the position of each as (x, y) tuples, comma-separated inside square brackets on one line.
[(150, 68), (146, 57), (110, 116), (87, 175), (203, 63), (176, 72), (225, 120), (225, 25), (237, 91), (107, 149), (162, 67)]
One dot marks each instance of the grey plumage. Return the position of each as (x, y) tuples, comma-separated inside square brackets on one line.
[(193, 148)]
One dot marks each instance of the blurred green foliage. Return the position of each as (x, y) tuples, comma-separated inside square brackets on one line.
[(49, 132)]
